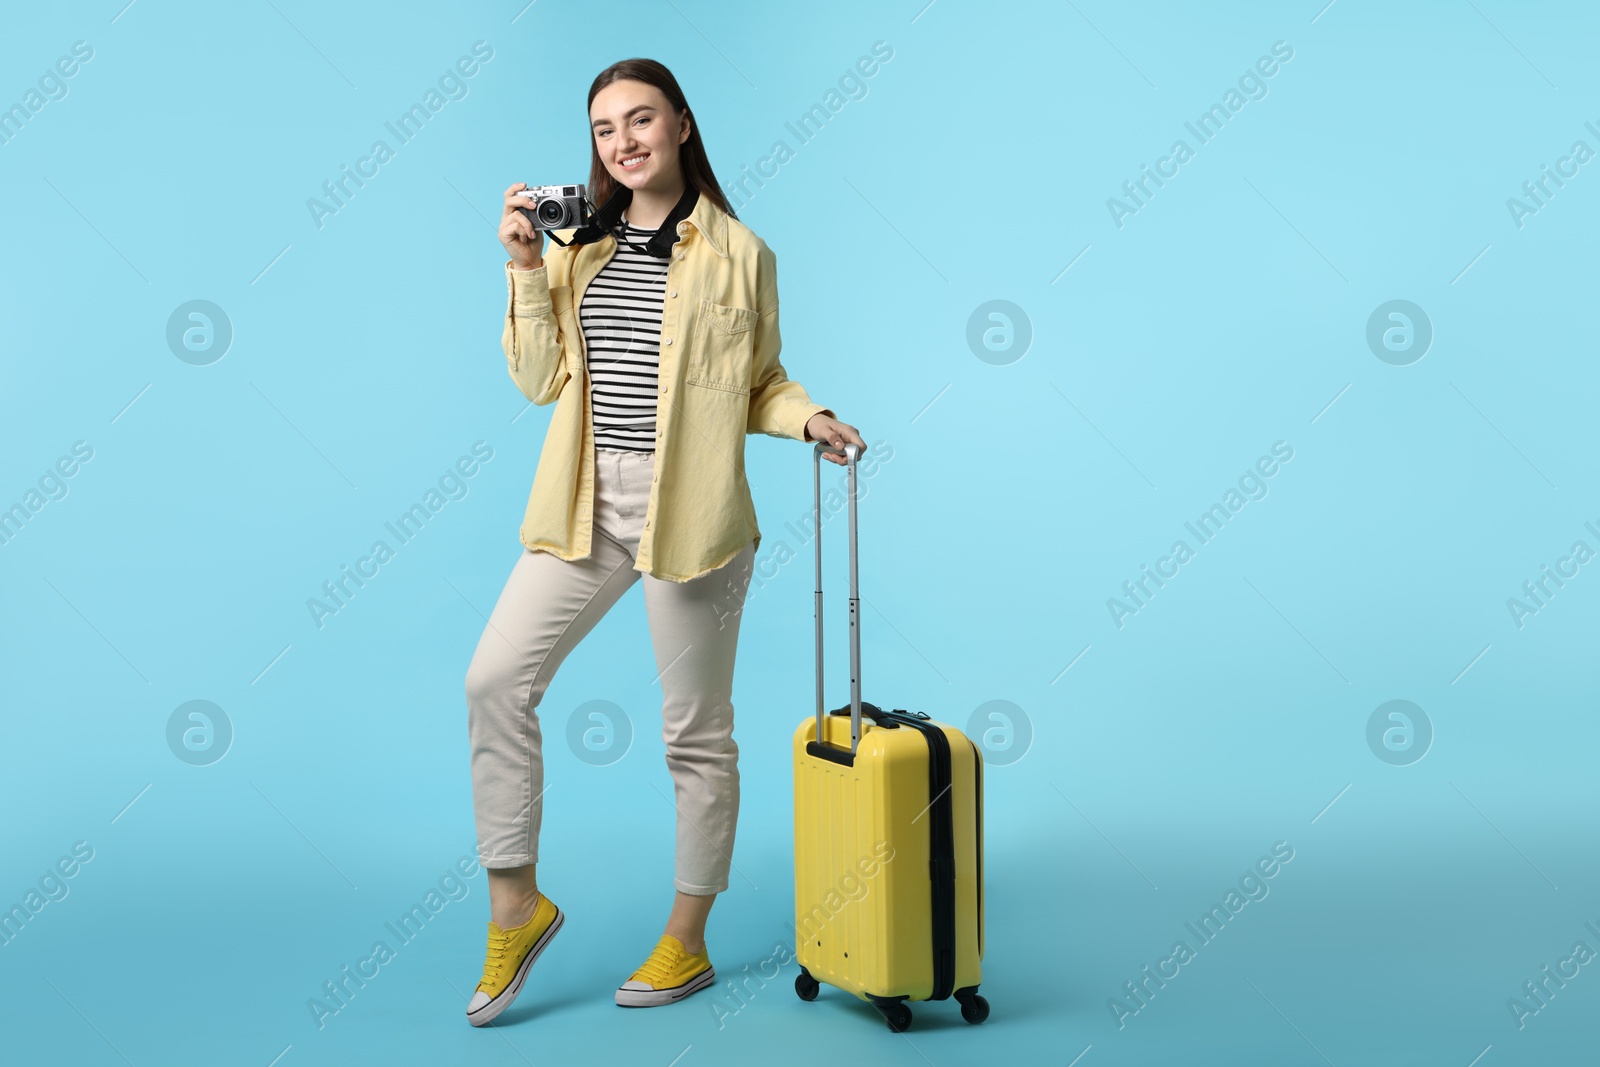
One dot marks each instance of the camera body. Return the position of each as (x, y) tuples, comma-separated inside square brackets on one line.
[(557, 207)]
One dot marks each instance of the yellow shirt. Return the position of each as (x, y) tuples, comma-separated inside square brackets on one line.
[(719, 380)]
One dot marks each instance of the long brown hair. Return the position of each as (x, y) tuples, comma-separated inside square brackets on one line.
[(691, 154)]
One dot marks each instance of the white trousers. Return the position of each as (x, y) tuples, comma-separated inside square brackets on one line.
[(546, 608)]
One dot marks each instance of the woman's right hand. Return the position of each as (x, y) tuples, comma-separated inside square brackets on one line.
[(524, 242)]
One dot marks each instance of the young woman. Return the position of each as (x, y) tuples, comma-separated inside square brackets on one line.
[(655, 333)]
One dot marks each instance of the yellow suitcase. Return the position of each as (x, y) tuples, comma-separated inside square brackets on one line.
[(888, 831)]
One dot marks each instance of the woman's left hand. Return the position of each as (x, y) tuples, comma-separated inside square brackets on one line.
[(838, 434)]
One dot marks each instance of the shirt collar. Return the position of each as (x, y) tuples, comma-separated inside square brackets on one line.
[(699, 211)]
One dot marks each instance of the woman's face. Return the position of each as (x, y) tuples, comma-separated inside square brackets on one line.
[(637, 135)]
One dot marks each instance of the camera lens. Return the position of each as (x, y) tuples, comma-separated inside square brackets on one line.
[(552, 212)]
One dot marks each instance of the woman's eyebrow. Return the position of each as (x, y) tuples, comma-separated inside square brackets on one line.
[(631, 110)]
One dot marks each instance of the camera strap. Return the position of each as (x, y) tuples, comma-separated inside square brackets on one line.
[(592, 233), (607, 219)]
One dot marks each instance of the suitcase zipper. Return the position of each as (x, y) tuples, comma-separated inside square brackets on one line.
[(942, 867)]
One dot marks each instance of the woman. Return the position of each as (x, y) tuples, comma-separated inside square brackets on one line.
[(660, 353)]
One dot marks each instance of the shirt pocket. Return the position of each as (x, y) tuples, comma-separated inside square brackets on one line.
[(722, 349)]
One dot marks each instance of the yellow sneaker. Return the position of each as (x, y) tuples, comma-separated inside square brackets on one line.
[(670, 974), (510, 954)]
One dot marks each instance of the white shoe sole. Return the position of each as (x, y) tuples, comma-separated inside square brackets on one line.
[(649, 998), (507, 995)]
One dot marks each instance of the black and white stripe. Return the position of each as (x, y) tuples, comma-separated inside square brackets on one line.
[(621, 321)]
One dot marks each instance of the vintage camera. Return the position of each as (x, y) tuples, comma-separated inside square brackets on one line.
[(557, 207)]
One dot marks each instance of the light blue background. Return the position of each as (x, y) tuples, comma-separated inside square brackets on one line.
[(1230, 713)]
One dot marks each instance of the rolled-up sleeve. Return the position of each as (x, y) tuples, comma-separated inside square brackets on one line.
[(779, 406), (532, 336)]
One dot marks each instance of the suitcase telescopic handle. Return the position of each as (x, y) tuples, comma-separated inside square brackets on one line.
[(851, 452)]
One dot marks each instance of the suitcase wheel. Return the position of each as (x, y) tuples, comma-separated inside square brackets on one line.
[(805, 985), (895, 1012), (974, 1008)]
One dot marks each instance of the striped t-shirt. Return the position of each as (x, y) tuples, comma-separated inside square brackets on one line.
[(621, 321)]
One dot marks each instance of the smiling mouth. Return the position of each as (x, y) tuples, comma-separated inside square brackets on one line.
[(634, 162)]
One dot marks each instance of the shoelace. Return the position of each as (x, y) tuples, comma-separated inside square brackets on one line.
[(495, 957), (662, 962)]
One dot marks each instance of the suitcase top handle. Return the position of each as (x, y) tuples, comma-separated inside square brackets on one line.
[(851, 452)]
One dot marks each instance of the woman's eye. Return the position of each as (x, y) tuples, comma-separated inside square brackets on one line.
[(640, 121)]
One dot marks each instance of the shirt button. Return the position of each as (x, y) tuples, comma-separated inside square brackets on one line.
[(669, 340), (673, 293)]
